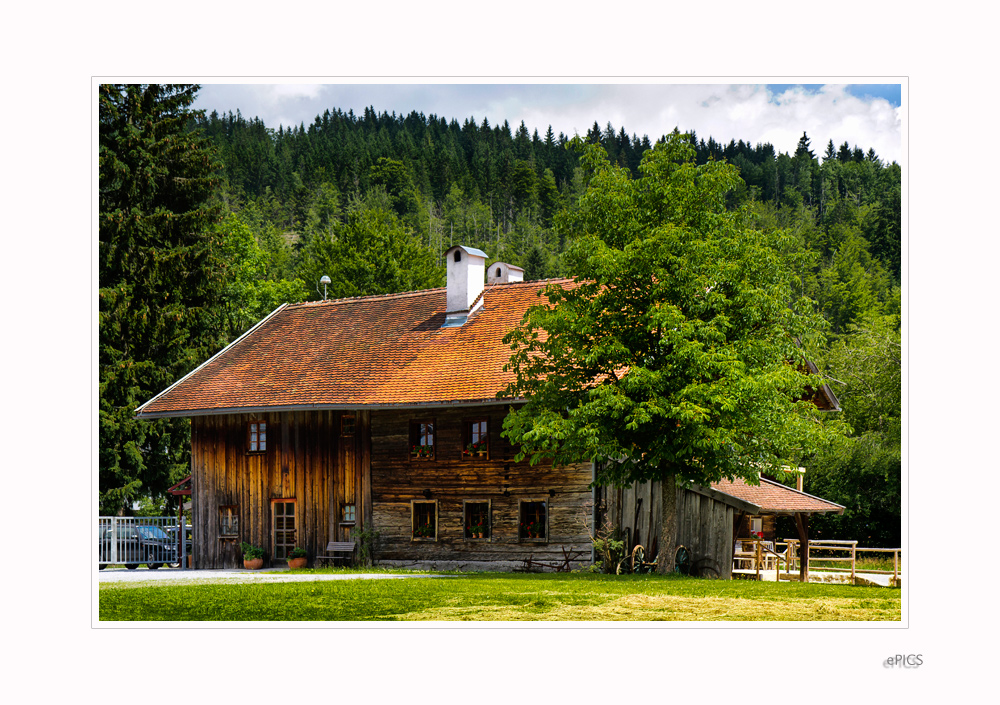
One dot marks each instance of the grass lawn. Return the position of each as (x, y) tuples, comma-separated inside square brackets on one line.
[(499, 597)]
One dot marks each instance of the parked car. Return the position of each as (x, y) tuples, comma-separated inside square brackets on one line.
[(172, 533), (140, 543)]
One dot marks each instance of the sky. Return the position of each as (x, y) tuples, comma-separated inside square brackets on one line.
[(866, 115)]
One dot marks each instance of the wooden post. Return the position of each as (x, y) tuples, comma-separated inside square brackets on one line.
[(757, 557), (854, 552), (802, 525), (895, 568)]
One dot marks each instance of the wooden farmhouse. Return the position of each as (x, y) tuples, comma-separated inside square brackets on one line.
[(331, 415)]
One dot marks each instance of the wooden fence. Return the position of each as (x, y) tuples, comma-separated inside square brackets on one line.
[(791, 557)]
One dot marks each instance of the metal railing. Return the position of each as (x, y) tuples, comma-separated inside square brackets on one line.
[(134, 541)]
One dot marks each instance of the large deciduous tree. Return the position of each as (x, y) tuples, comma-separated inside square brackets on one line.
[(159, 279), (675, 354)]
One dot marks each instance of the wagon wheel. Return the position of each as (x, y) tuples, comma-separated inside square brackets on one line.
[(638, 558), (131, 566), (706, 568), (682, 561)]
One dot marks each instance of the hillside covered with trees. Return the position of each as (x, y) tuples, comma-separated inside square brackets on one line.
[(374, 200)]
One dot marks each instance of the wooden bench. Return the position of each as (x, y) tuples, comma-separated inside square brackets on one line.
[(340, 550)]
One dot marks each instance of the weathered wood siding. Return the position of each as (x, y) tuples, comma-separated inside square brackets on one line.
[(705, 529), (704, 525), (397, 481), (306, 460)]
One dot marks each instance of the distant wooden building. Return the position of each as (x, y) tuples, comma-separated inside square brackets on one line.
[(382, 410)]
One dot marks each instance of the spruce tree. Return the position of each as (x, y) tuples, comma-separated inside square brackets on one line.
[(159, 280)]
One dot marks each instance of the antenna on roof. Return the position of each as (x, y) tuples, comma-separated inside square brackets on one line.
[(324, 281)]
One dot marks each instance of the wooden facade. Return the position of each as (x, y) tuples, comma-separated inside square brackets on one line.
[(341, 469), (450, 481), (307, 459)]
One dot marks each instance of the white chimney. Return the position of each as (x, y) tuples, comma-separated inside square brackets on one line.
[(503, 273), (466, 275)]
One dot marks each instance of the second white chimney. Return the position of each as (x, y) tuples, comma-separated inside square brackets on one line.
[(503, 273)]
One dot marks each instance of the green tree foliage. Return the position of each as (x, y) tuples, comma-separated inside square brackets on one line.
[(372, 252), (159, 279), (863, 471), (534, 266), (674, 356), (395, 178), (249, 293)]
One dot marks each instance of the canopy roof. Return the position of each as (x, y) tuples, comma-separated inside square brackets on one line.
[(774, 498)]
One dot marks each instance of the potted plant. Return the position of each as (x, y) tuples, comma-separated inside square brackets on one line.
[(477, 531), (533, 530), (478, 448), (423, 531), (422, 452), (253, 556), (297, 558)]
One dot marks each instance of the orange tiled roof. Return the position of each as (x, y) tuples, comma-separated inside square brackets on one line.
[(774, 498), (366, 351)]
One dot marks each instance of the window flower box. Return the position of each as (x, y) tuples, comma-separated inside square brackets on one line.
[(422, 452)]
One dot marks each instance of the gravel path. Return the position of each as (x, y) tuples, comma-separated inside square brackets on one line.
[(240, 575)]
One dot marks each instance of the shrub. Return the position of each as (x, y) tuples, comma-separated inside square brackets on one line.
[(251, 552), (369, 543)]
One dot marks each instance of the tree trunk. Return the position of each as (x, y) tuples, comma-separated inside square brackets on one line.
[(668, 524)]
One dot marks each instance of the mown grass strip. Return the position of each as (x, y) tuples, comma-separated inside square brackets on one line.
[(500, 597)]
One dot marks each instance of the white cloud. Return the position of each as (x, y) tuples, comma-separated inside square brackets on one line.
[(722, 111)]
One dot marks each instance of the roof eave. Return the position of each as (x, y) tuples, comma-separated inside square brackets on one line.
[(185, 413), (138, 410)]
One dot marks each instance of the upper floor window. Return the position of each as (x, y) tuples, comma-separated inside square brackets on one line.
[(422, 440), (257, 437), (476, 439), (347, 424)]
